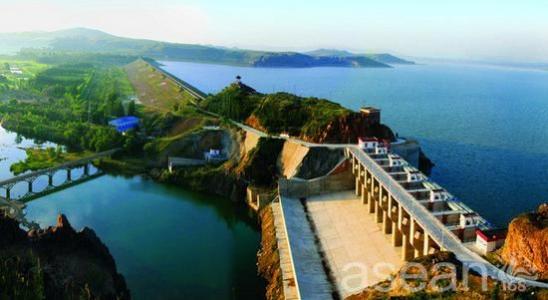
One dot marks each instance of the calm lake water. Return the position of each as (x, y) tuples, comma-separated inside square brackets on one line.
[(12, 150), (167, 242), (485, 128)]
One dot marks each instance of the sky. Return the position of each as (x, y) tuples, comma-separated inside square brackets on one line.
[(500, 30)]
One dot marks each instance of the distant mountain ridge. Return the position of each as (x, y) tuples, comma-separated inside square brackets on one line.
[(95, 41), (384, 58)]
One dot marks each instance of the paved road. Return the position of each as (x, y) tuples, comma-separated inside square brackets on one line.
[(312, 280), (182, 161)]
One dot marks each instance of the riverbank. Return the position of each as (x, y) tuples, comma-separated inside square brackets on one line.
[(43, 158)]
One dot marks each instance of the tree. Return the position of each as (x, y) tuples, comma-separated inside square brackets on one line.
[(131, 108), (118, 109)]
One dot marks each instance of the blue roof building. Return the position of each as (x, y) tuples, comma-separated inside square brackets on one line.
[(124, 124)]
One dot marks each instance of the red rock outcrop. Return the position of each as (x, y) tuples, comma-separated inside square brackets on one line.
[(526, 245), (348, 128)]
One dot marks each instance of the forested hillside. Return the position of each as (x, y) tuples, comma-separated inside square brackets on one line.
[(82, 40)]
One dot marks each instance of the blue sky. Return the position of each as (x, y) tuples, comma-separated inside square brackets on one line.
[(494, 30)]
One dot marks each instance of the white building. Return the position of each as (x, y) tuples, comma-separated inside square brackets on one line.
[(437, 193), (413, 175), (368, 144), (395, 160), (489, 240)]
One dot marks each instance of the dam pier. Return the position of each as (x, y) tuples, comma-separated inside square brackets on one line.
[(373, 208)]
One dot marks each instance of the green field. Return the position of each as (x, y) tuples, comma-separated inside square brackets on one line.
[(18, 85), (155, 90), (68, 103)]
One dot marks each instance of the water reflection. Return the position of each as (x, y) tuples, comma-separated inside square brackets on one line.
[(167, 242), (12, 150)]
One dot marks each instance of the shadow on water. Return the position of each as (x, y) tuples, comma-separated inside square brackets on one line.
[(229, 211), (168, 243)]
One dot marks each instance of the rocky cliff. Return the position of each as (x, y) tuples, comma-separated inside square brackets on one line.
[(526, 245), (348, 128), (56, 263)]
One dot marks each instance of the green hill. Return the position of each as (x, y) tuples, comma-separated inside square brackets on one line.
[(384, 58), (389, 59), (95, 41)]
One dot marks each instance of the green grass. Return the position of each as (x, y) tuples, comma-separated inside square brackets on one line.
[(39, 159), (155, 90), (276, 113), (104, 82), (16, 82)]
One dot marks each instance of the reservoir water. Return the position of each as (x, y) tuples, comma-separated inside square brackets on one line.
[(485, 128), (12, 150), (167, 242)]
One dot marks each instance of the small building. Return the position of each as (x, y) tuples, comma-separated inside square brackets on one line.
[(490, 239), (382, 148), (125, 124), (372, 114), (395, 160), (437, 193), (16, 71), (214, 155), (413, 175), (368, 143), (468, 219), (284, 135), (373, 145)]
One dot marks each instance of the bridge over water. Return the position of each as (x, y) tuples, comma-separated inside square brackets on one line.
[(67, 168)]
